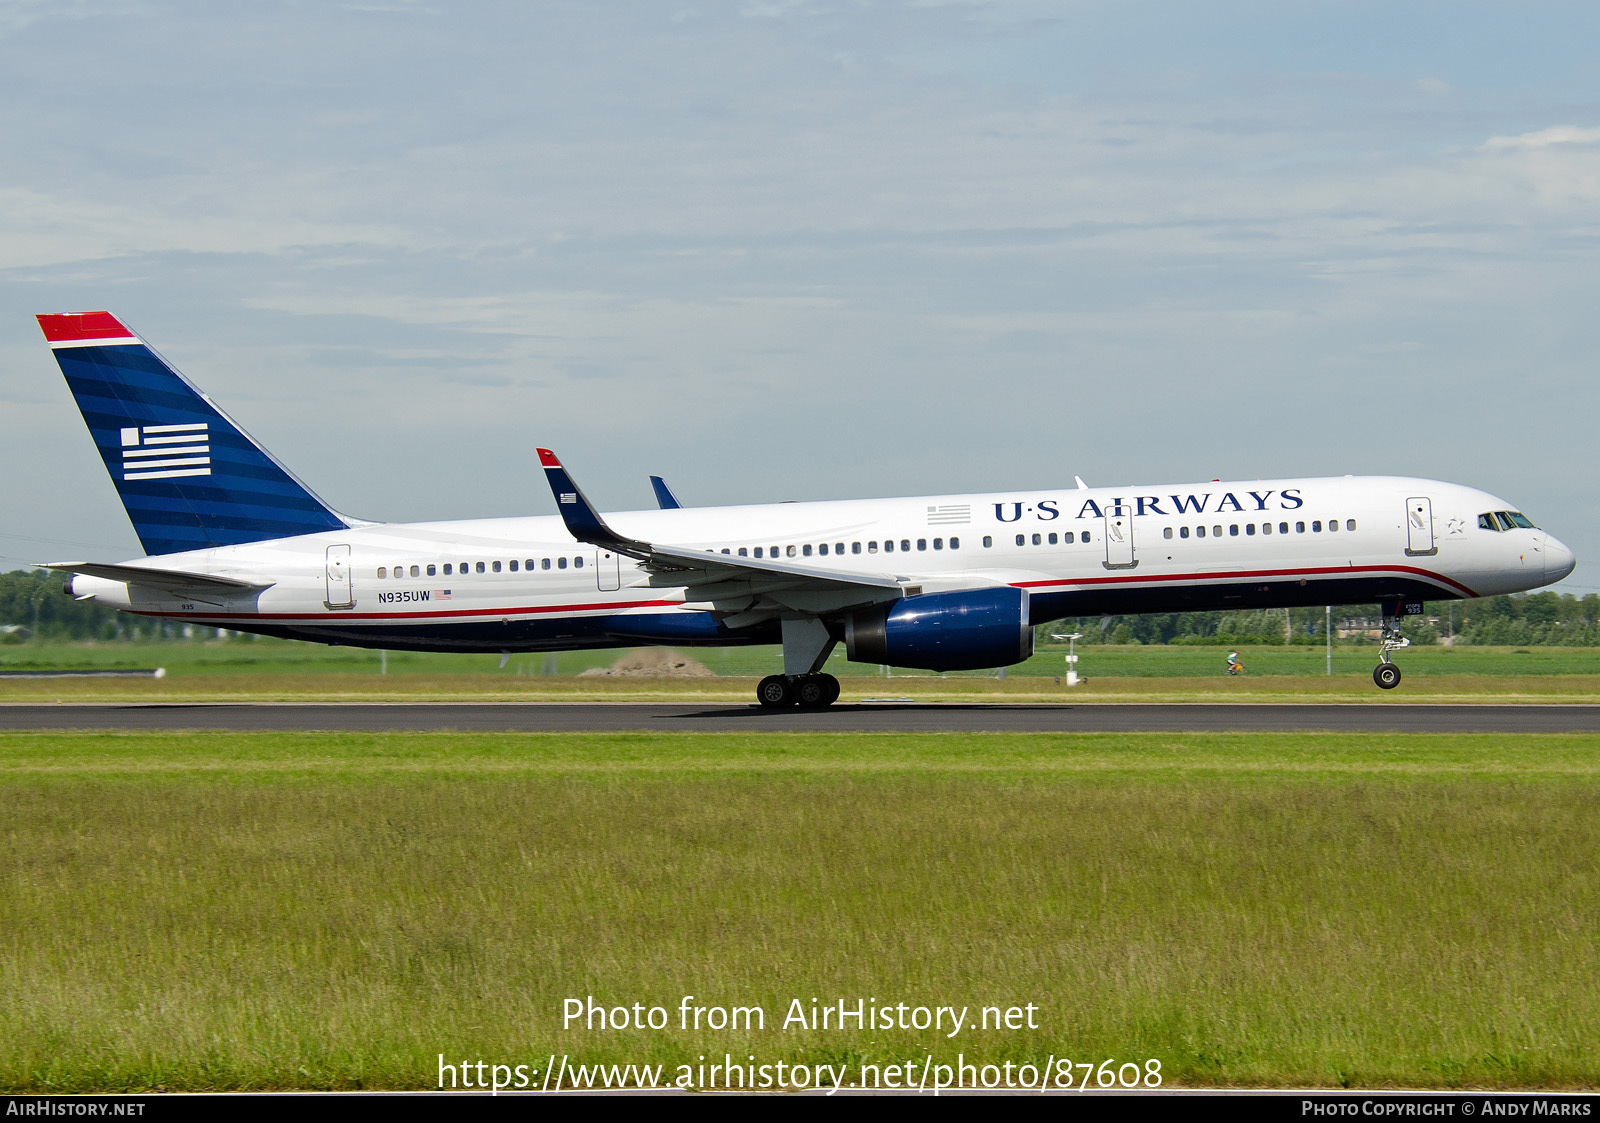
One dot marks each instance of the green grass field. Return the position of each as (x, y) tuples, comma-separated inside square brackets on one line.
[(334, 911), (244, 670)]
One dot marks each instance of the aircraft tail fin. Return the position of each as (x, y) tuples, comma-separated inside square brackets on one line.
[(189, 477)]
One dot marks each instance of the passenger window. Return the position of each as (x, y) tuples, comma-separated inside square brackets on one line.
[(758, 551), (1283, 528), (383, 571), (1052, 538), (988, 544), (512, 565), (528, 565), (773, 552), (495, 566), (743, 553), (1299, 528), (788, 551), (855, 547), (1200, 532), (905, 545), (432, 571), (872, 547), (1166, 532), (888, 545), (725, 550), (938, 543), (479, 567), (448, 569), (561, 563), (544, 563), (464, 567), (1216, 532), (1316, 526), (1233, 530), (955, 543), (1266, 528), (1067, 538), (577, 562), (399, 571), (823, 549), (1183, 532), (1021, 540), (1333, 524), (805, 551), (1249, 529), (1038, 540), (838, 548), (1086, 536), (1349, 524)]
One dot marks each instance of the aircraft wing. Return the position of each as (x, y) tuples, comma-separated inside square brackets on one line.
[(173, 581), (748, 588)]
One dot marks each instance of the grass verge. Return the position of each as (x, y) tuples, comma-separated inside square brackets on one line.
[(336, 910)]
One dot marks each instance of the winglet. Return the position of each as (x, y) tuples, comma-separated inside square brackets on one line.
[(664, 497), (583, 521)]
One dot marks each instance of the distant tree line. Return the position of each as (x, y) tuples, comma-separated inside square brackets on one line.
[(32, 603), (1548, 619)]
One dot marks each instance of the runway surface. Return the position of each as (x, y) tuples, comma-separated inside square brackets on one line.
[(525, 717)]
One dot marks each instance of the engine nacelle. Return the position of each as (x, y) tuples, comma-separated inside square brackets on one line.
[(945, 631)]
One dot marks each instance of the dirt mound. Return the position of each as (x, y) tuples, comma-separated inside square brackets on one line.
[(654, 662)]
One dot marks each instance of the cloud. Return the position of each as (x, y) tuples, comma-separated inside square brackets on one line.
[(1546, 138)]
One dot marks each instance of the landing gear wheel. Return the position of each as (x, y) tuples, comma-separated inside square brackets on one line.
[(775, 692), (833, 689), (1386, 675), (810, 692), (815, 692)]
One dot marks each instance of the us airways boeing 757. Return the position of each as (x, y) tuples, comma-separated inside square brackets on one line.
[(942, 582)]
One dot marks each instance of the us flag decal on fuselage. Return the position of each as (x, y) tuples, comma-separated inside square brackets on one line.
[(160, 452)]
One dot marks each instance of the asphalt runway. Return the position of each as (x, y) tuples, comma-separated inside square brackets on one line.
[(886, 717)]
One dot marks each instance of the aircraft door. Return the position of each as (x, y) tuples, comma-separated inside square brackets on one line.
[(1419, 527), (1119, 539), (607, 571), (338, 572)]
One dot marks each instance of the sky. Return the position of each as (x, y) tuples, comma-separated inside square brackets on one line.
[(794, 250)]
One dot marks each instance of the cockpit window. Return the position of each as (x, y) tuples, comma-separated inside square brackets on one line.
[(1505, 520), (1486, 522), (1518, 519)]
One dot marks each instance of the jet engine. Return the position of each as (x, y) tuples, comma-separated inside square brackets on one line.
[(962, 631)]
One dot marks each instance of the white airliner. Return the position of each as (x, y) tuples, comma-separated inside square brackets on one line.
[(940, 582)]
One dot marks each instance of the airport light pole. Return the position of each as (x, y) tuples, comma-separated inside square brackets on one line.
[(1072, 655)]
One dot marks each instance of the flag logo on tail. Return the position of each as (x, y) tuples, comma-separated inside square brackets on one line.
[(162, 452)]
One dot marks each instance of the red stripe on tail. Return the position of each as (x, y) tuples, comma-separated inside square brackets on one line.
[(68, 326)]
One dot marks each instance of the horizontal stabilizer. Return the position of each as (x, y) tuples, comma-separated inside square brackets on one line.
[(166, 580)]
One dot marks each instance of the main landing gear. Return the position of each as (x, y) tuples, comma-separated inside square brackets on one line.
[(1386, 674), (809, 692)]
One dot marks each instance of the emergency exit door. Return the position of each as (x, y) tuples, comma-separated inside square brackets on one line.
[(607, 571), (1119, 539), (339, 578), (1419, 527)]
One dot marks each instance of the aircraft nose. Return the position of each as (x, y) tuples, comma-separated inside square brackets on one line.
[(1558, 559)]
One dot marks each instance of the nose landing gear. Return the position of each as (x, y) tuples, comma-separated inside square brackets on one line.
[(809, 692), (1386, 674)]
